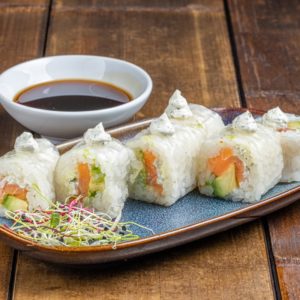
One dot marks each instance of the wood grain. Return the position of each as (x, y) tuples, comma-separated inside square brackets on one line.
[(194, 57), (21, 38), (14, 3), (267, 35), (229, 265), (142, 4), (6, 266), (186, 48), (285, 236)]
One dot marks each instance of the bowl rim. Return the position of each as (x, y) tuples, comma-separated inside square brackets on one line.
[(117, 109)]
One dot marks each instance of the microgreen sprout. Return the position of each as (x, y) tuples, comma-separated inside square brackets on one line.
[(71, 225)]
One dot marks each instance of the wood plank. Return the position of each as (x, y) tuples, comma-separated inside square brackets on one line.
[(230, 265), (6, 266), (23, 3), (21, 38), (18, 40), (267, 35), (284, 229), (187, 57), (142, 4), (184, 48)]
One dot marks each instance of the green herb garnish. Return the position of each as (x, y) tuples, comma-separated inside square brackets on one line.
[(54, 220), (71, 225)]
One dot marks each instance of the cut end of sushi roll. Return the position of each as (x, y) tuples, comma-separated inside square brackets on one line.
[(226, 172), (147, 178), (26, 174), (95, 173), (148, 182), (165, 168), (242, 164)]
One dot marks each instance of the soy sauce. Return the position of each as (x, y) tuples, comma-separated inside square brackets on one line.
[(73, 95)]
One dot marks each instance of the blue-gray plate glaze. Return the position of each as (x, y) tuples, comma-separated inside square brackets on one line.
[(192, 217)]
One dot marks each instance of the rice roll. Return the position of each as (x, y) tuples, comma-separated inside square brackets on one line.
[(95, 172), (166, 165), (193, 115), (26, 175), (243, 163), (212, 121), (288, 126)]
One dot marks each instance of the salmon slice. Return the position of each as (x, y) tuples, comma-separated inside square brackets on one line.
[(84, 178), (220, 163), (149, 159), (13, 190)]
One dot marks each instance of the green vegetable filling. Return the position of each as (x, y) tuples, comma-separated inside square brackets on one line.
[(13, 203), (97, 174), (294, 125), (54, 220), (141, 179), (223, 185), (97, 181)]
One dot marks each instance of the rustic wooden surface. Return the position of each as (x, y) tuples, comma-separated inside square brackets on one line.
[(267, 35), (186, 44), (22, 28), (186, 56), (231, 265)]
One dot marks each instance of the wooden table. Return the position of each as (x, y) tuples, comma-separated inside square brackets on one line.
[(231, 53)]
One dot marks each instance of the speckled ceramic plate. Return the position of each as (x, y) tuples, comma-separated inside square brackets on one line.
[(192, 217)]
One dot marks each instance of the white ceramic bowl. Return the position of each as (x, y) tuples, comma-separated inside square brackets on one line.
[(62, 125)]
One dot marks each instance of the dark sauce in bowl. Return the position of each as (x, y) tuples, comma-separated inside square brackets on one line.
[(73, 95)]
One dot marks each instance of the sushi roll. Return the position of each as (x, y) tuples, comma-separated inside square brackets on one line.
[(166, 165), (26, 175), (212, 121), (288, 126), (95, 172), (243, 163), (193, 115)]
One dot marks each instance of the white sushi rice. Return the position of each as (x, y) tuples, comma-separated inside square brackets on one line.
[(211, 120), (176, 163), (261, 154), (112, 158), (31, 168), (290, 141)]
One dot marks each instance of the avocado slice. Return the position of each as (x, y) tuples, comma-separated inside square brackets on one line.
[(97, 180), (294, 125), (13, 203), (226, 183)]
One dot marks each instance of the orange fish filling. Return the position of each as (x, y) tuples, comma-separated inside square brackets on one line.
[(220, 163), (83, 179), (152, 177), (13, 189)]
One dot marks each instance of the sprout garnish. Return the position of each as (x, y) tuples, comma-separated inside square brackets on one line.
[(71, 225)]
